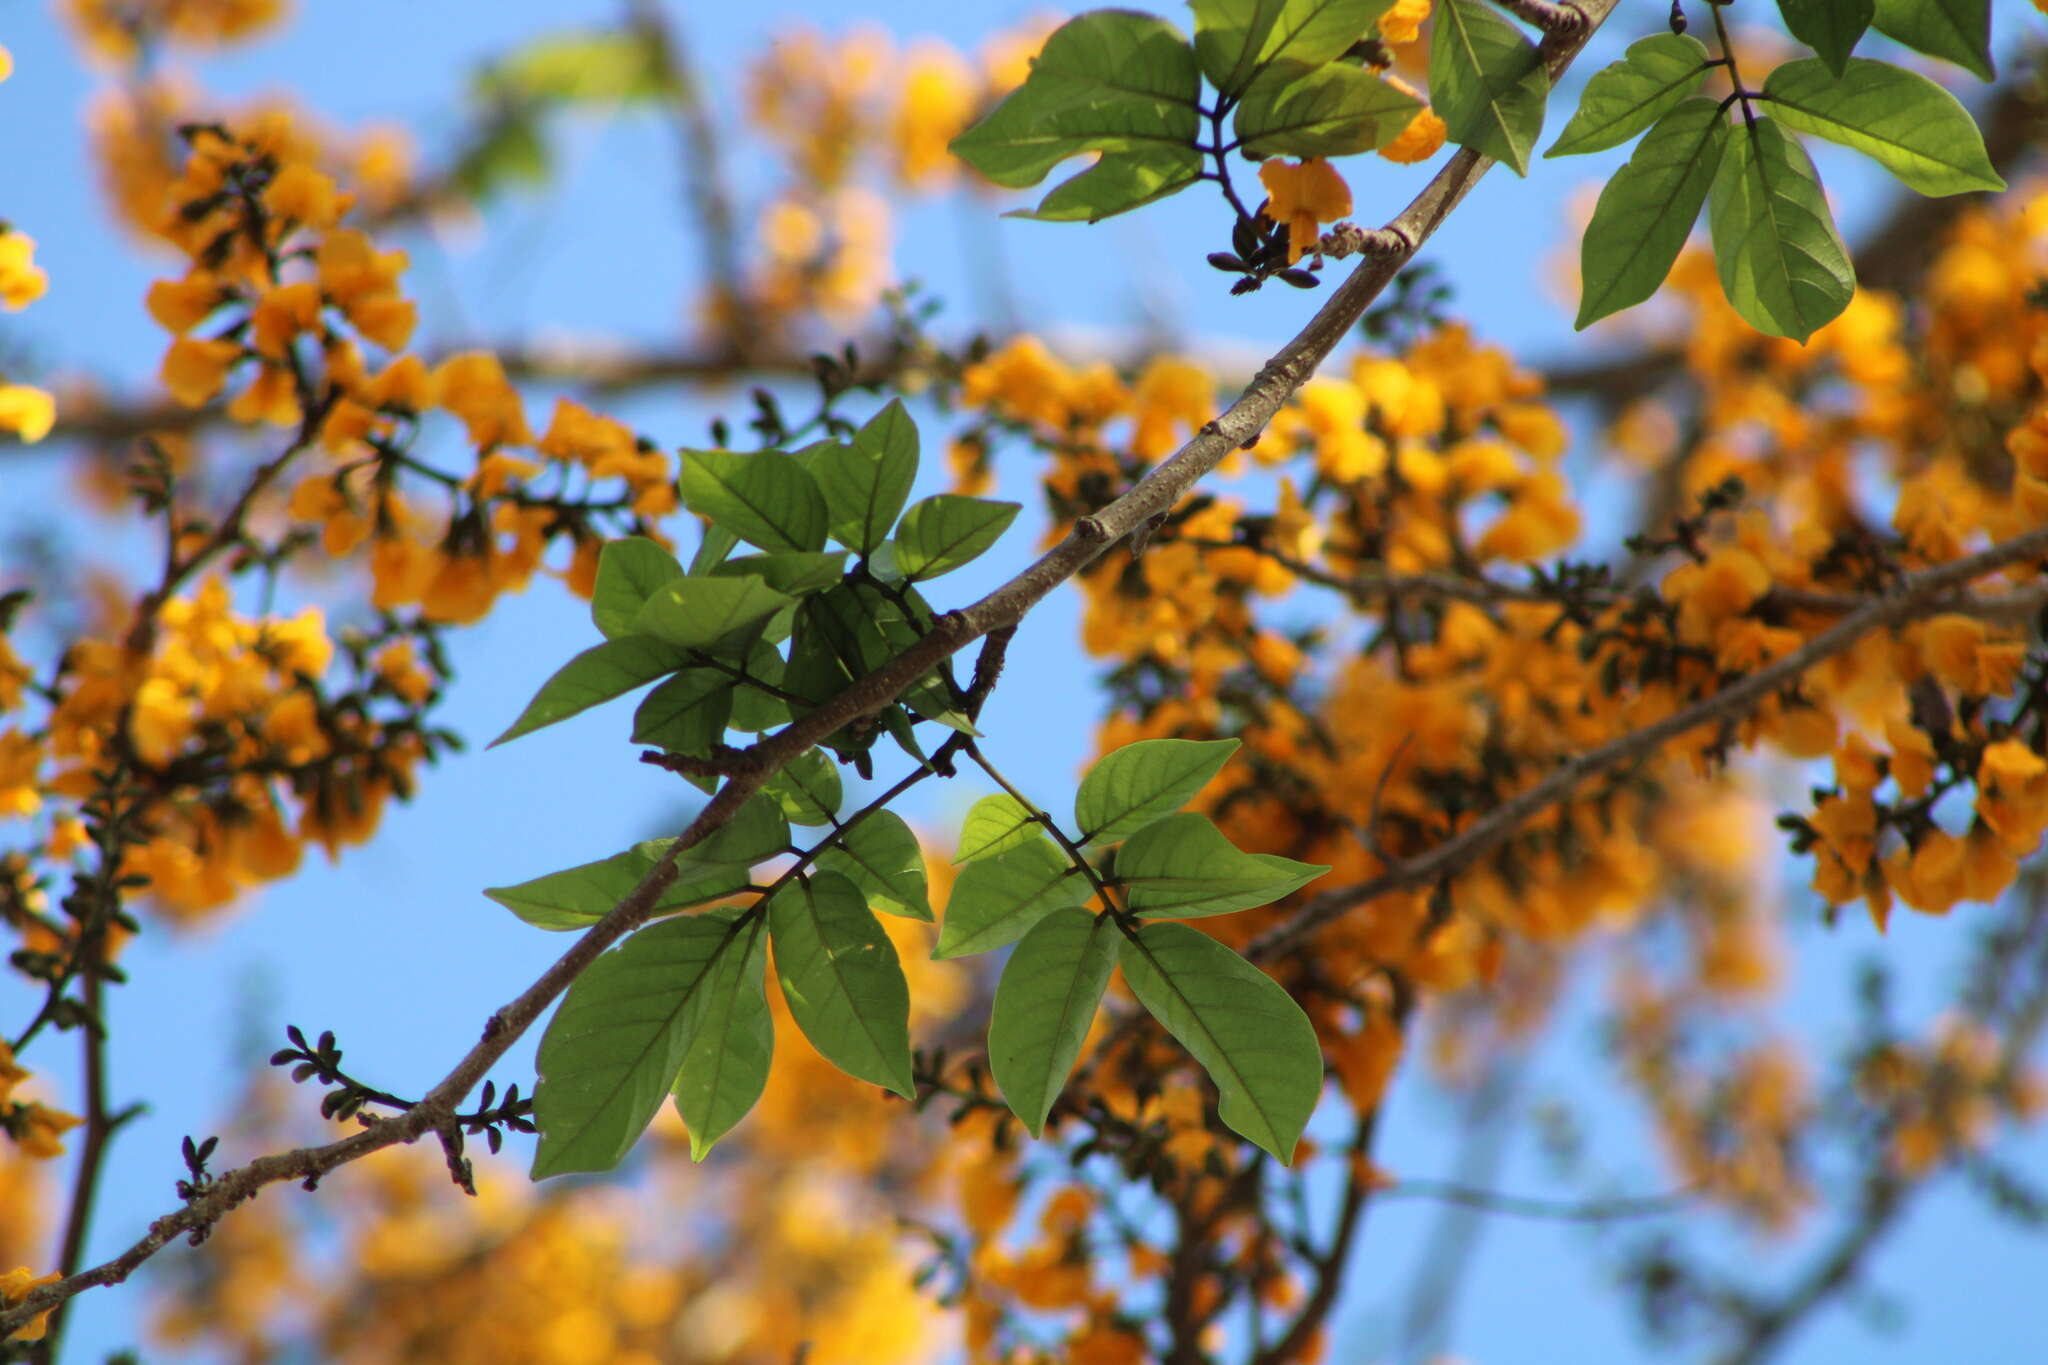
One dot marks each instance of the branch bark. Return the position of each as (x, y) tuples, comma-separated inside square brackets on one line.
[(1090, 537)]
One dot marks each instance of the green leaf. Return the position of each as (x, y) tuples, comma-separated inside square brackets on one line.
[(996, 824), (1116, 184), (578, 897), (598, 674), (997, 900), (1248, 1034), (1621, 100), (1235, 40), (510, 152), (767, 499), (757, 832), (610, 65), (882, 857), (697, 613), (807, 789), (1956, 31), (1487, 82), (840, 975), (792, 572), (1044, 1004), (866, 482), (686, 714), (1830, 27), (1908, 124), (1137, 784), (865, 628), (731, 1042), (1182, 867), (618, 1040), (1647, 210), (1782, 263), (944, 531), (1332, 110), (712, 549), (1109, 81), (754, 709), (627, 571)]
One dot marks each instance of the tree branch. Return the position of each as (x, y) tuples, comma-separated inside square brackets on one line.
[(1090, 537), (1919, 595)]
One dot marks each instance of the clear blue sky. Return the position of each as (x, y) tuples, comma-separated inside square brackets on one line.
[(364, 947)]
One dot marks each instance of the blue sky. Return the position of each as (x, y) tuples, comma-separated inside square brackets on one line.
[(365, 947)]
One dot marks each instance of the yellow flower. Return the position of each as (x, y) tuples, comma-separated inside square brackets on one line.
[(40, 1130), (1303, 195), (6, 63), (27, 412), (20, 756), (14, 1287), (181, 305), (1422, 139), (22, 281), (195, 369), (304, 195), (11, 1074), (1403, 22)]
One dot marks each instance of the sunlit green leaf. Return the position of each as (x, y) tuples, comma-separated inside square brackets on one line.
[(617, 1041), (1647, 209), (766, 499), (867, 481), (1044, 1004), (841, 977), (1237, 39), (996, 900), (1908, 124), (1109, 81), (598, 674), (1628, 96), (1783, 265), (807, 788), (882, 857), (1486, 82), (790, 572), (757, 832), (578, 897), (1182, 867), (944, 531), (1330, 110), (731, 1041), (994, 825), (627, 571), (686, 714), (697, 613), (1130, 788), (603, 64), (1248, 1034)]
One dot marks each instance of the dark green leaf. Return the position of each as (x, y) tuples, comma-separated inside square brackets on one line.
[(686, 714), (754, 709), (1647, 210), (1182, 867), (1137, 784), (840, 975), (1908, 124), (1109, 81), (1044, 1004), (1621, 100), (627, 571), (731, 1042), (866, 482), (578, 897), (697, 613), (617, 1041), (944, 531), (1956, 31), (1237, 39), (1830, 27), (882, 857), (1248, 1034), (865, 628), (757, 832), (598, 674), (1331, 110), (997, 900), (1487, 82), (807, 788), (1782, 263), (767, 499), (1116, 184), (996, 824)]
